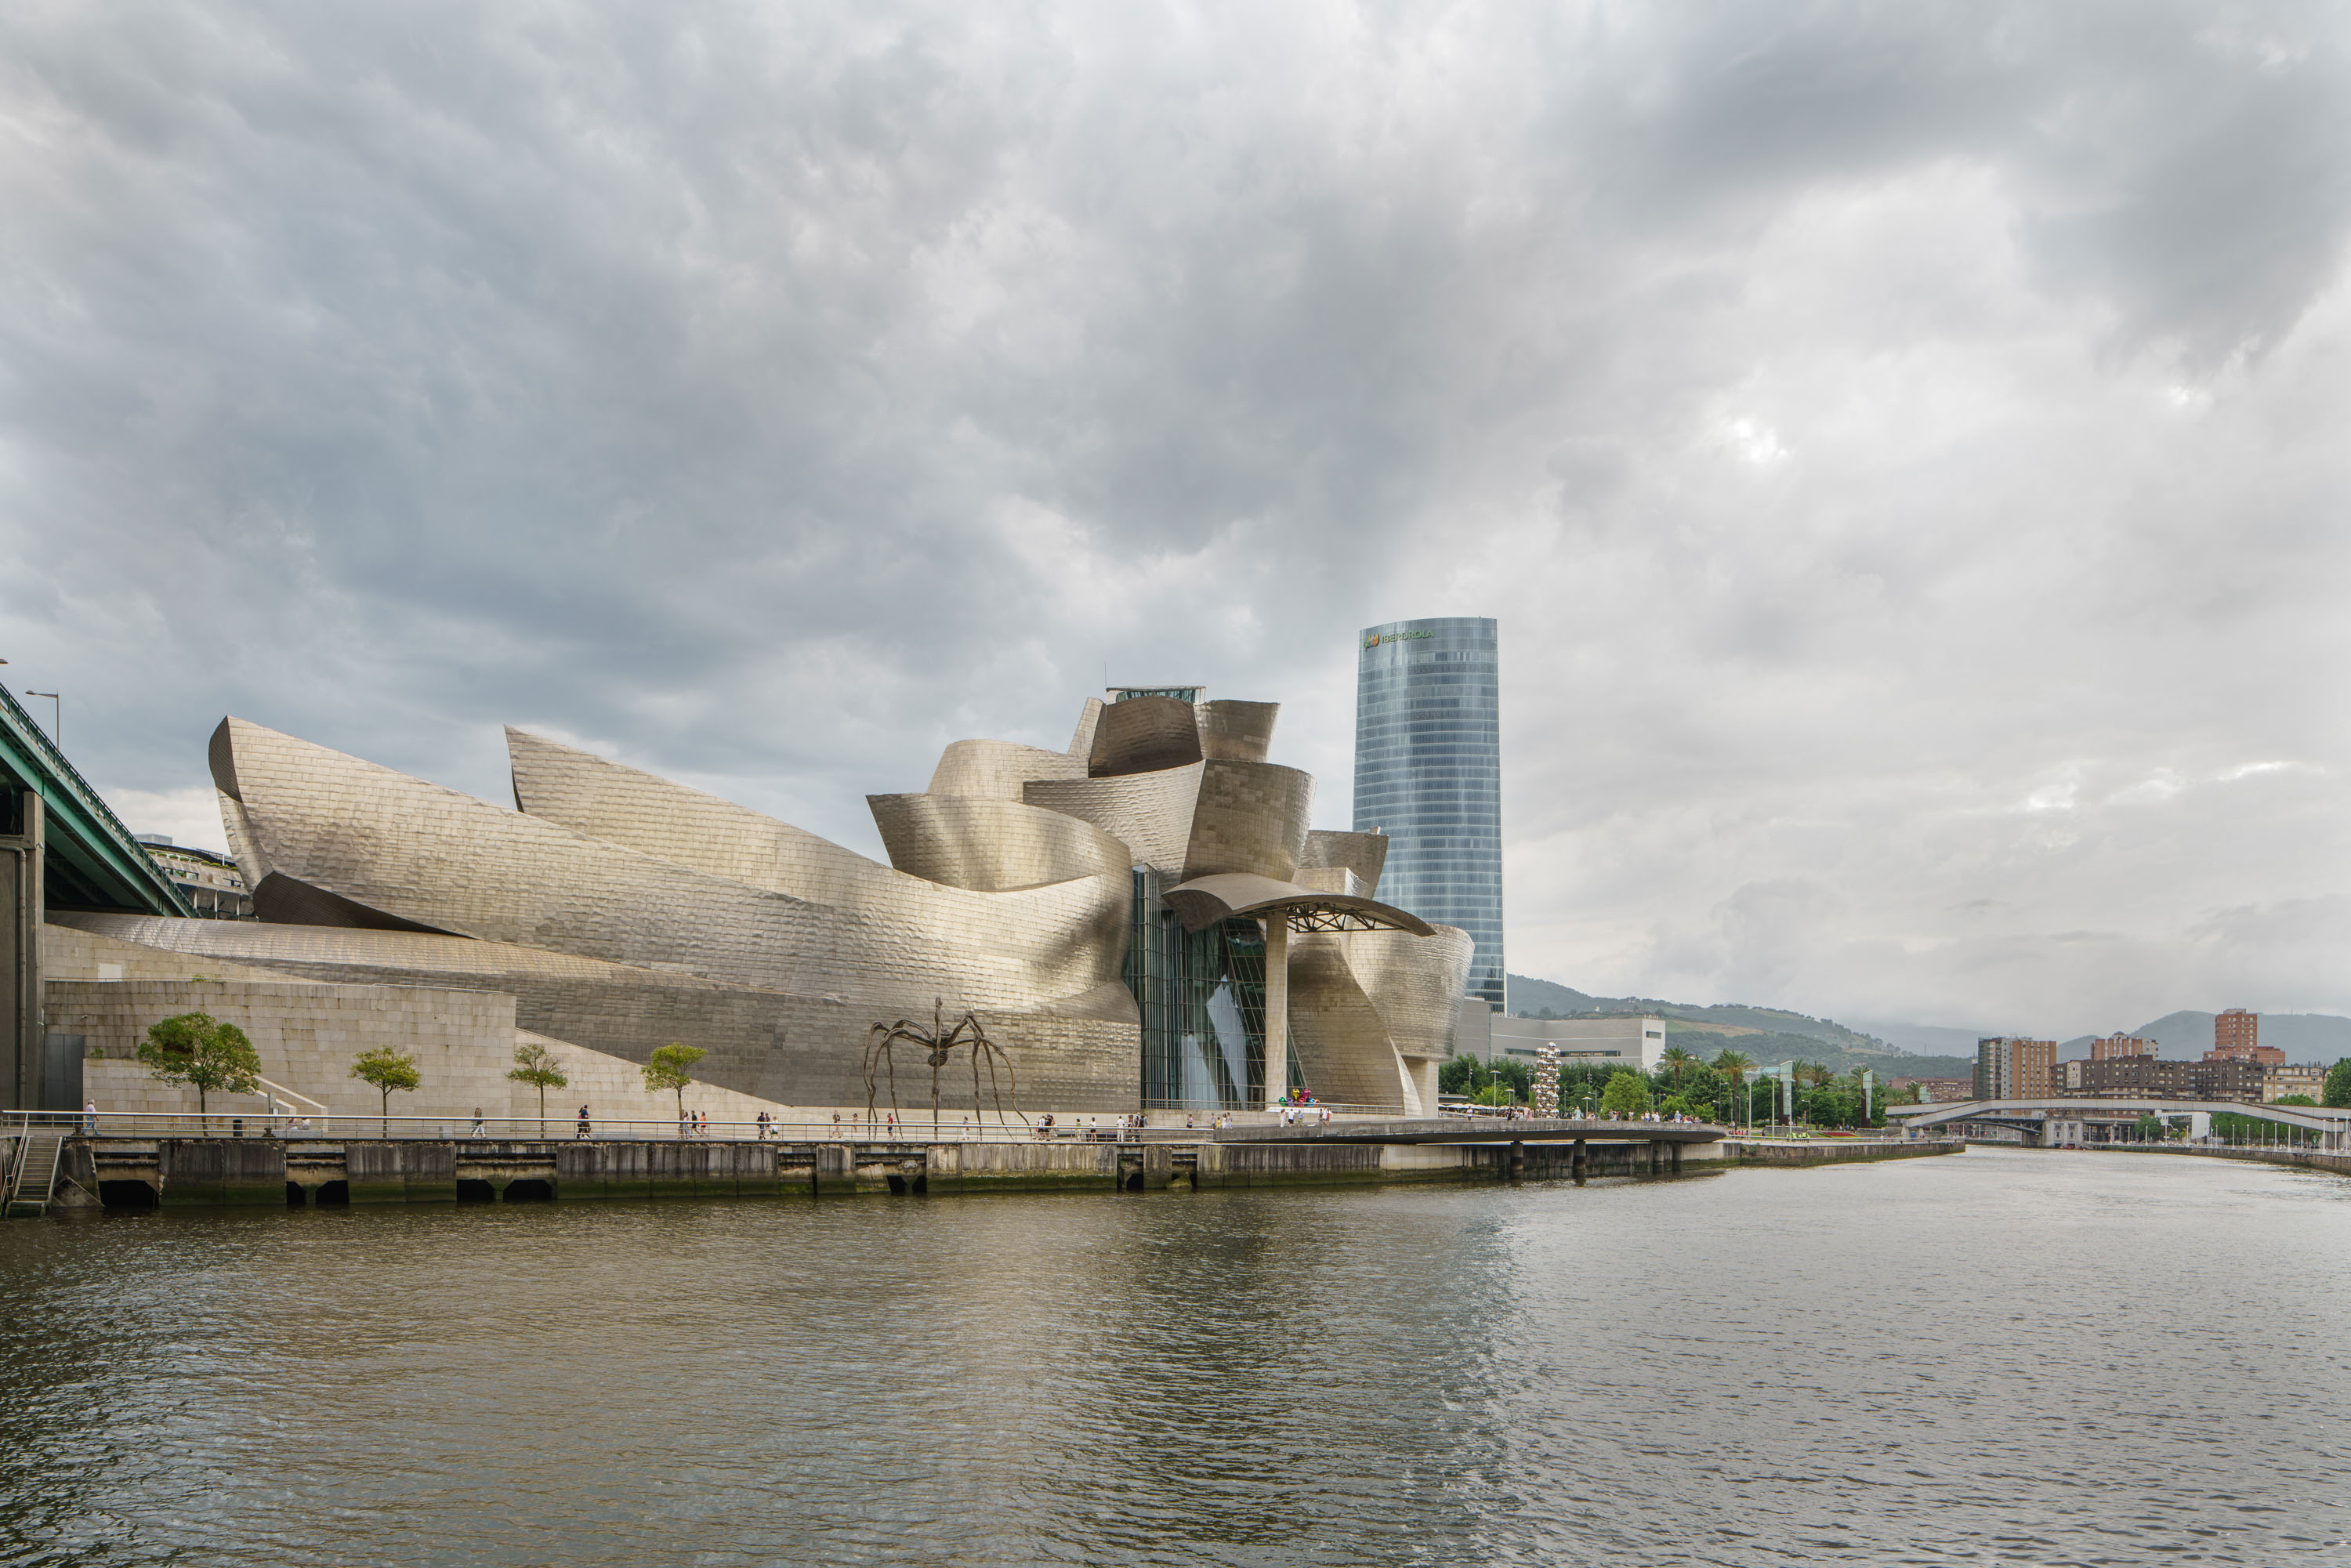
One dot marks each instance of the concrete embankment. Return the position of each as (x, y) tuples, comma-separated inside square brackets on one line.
[(131, 1173), (1829, 1152), (2311, 1159), (269, 1172)]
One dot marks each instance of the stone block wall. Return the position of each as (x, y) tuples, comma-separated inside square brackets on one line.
[(307, 1037)]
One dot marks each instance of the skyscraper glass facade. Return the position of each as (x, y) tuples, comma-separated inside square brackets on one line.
[(1428, 773)]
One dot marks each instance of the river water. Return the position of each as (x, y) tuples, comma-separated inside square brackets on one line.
[(1994, 1357)]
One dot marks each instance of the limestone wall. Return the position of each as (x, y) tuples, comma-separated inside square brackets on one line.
[(307, 1037), (68, 953)]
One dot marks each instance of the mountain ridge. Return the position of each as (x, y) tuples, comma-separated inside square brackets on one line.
[(1904, 1049)]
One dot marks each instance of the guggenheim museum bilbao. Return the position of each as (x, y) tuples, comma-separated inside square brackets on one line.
[(1143, 920)]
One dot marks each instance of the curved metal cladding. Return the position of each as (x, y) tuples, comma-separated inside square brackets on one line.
[(1372, 1011), (1082, 741), (1144, 735), (1236, 731), (1428, 771), (1414, 983), (997, 768), (1251, 817), (1150, 813), (603, 800), (1361, 853), (1339, 1044), (992, 845), (887, 942)]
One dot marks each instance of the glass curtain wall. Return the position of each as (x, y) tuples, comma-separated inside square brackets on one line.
[(1202, 994), (1428, 772)]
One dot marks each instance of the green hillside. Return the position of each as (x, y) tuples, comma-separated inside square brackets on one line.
[(1546, 998), (1766, 1034)]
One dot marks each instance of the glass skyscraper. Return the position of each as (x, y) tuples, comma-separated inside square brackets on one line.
[(1428, 773)]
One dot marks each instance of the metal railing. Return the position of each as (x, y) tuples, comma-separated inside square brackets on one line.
[(959, 1127)]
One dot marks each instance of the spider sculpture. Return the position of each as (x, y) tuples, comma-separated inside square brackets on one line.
[(938, 1043)]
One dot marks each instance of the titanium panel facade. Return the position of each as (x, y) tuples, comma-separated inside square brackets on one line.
[(1144, 735), (992, 846), (1236, 731), (1428, 773), (997, 768)]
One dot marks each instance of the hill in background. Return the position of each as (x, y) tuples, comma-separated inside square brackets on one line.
[(1898, 1050), (1766, 1034), (2186, 1035)]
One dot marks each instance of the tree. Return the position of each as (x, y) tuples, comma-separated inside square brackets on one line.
[(1674, 1057), (672, 1067), (388, 1070), (1457, 1076), (2149, 1128), (1732, 1063), (536, 1065), (1626, 1095), (2338, 1084), (206, 1055)]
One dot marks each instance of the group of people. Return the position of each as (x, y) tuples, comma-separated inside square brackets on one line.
[(1124, 1129)]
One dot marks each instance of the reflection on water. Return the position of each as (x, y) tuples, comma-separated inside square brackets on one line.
[(1996, 1357)]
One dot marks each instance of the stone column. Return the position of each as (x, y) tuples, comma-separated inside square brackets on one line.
[(21, 1013), (1276, 1007)]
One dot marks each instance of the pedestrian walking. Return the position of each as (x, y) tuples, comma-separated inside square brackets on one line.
[(583, 1121), (476, 1130)]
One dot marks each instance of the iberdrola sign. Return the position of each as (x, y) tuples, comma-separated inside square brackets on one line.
[(1373, 639)]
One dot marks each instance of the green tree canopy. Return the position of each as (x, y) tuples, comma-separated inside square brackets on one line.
[(2337, 1091), (536, 1065), (198, 1050), (672, 1067), (1731, 1063), (388, 1070), (1626, 1095)]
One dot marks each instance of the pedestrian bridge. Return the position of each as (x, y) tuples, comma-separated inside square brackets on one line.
[(2086, 1112)]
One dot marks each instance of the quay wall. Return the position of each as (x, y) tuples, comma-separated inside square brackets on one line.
[(2311, 1159), (1755, 1152), (299, 1172)]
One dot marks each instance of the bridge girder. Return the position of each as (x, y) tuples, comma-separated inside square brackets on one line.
[(2311, 1118)]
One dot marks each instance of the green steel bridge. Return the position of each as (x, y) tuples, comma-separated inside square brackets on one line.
[(60, 847)]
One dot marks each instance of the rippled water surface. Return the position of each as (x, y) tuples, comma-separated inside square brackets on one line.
[(1996, 1357)]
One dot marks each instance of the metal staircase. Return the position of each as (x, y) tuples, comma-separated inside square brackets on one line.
[(39, 1151)]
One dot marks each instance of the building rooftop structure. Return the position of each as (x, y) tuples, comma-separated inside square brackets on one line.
[(210, 884), (2118, 1044)]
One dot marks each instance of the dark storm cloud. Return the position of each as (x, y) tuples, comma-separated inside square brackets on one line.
[(1869, 421)]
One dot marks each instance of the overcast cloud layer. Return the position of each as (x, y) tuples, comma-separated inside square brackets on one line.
[(1905, 445)]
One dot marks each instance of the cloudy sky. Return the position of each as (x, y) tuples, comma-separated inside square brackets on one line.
[(1905, 445)]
